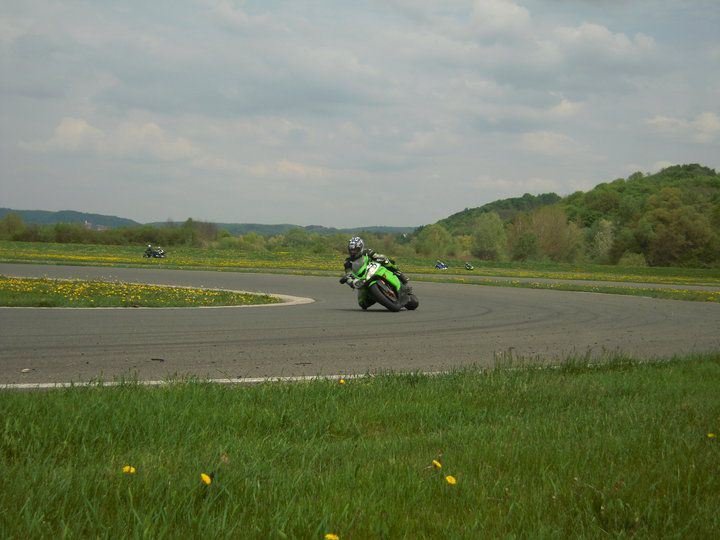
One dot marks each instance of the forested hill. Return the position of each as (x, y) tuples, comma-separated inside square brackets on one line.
[(627, 201), (672, 217), (668, 218), (463, 222), (46, 217)]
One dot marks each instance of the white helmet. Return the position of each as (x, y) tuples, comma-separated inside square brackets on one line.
[(355, 246)]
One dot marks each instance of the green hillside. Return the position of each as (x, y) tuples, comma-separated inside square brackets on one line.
[(44, 217), (671, 218), (464, 221)]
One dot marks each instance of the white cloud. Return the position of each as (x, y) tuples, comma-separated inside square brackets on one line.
[(704, 128), (74, 134), (494, 18), (229, 15), (565, 109), (288, 169), (549, 143), (598, 41), (126, 140), (431, 142)]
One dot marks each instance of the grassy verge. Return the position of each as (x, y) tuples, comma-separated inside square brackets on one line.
[(693, 295), (42, 292), (623, 449), (304, 262)]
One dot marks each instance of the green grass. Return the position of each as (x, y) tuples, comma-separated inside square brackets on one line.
[(43, 292), (692, 295), (615, 450), (306, 262)]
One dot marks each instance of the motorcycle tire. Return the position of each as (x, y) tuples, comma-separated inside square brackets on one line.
[(412, 302), (385, 295)]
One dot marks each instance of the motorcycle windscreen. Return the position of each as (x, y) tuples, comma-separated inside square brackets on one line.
[(359, 266)]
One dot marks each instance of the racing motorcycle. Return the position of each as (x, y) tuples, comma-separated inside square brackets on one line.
[(377, 283), (155, 253)]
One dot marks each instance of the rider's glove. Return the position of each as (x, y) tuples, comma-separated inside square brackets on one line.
[(343, 279)]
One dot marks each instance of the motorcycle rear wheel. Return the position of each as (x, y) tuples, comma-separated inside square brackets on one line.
[(385, 295)]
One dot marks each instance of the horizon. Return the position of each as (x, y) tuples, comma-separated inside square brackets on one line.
[(282, 223)]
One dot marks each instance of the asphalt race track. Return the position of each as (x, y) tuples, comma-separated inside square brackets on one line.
[(455, 325)]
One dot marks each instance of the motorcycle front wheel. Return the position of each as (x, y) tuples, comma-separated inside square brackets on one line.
[(385, 295)]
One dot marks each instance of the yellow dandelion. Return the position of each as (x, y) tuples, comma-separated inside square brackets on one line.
[(450, 480), (128, 469), (342, 381), (207, 480), (711, 435), (436, 464), (331, 536)]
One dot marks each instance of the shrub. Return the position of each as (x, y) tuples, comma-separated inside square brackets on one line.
[(636, 260)]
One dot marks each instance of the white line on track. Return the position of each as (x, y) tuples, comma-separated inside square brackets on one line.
[(242, 380)]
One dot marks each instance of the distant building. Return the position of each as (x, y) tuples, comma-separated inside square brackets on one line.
[(89, 226)]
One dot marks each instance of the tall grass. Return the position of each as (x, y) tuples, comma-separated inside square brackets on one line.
[(617, 450)]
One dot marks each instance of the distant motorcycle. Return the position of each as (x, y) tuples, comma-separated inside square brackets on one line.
[(439, 265), (469, 266), (154, 253)]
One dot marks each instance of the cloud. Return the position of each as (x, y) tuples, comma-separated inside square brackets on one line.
[(703, 129), (549, 143), (126, 140), (288, 169), (73, 134), (147, 140), (498, 18), (233, 17), (597, 41)]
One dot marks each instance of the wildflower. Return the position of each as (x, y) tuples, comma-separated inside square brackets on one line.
[(342, 381), (711, 435), (331, 536), (207, 480), (128, 469), (436, 464), (450, 480)]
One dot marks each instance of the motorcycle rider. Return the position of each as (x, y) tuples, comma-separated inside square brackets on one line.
[(149, 251), (356, 248)]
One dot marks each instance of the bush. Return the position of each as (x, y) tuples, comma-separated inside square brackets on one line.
[(636, 260)]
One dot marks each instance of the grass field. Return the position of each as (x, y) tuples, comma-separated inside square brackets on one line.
[(304, 262), (29, 292), (617, 450)]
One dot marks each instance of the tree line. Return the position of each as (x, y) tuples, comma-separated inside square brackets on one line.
[(671, 218)]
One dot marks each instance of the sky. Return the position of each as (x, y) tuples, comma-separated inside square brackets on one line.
[(346, 114)]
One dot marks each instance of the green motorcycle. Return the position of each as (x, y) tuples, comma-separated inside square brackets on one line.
[(377, 283)]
